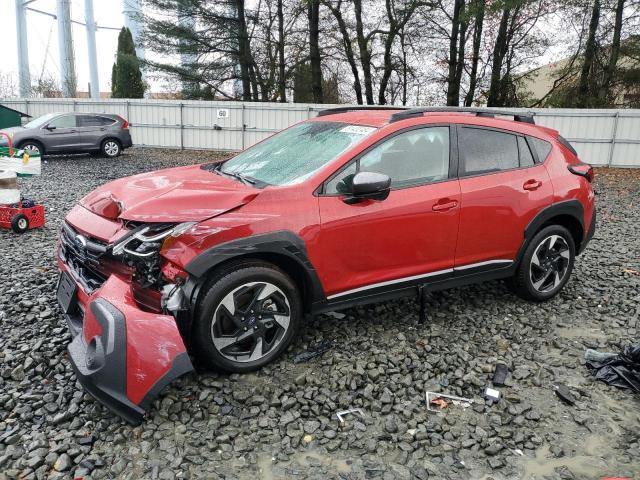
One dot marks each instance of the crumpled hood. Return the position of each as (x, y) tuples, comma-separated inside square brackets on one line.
[(182, 194)]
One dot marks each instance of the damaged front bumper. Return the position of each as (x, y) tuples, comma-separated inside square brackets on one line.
[(123, 356)]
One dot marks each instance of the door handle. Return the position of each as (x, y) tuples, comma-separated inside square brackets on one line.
[(532, 184), (445, 205)]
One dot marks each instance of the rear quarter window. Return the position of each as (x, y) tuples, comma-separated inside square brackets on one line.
[(541, 147), (566, 144)]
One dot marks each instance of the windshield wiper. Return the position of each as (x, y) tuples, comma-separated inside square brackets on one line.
[(237, 176)]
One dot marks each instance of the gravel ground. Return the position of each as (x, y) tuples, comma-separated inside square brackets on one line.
[(280, 422)]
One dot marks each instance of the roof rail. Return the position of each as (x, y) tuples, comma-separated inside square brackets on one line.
[(518, 116), (333, 111)]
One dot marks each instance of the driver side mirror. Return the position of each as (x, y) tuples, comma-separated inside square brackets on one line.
[(368, 186), (50, 127)]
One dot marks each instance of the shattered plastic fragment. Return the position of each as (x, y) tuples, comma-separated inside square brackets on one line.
[(564, 394)]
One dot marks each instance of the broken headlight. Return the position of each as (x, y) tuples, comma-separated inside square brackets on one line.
[(146, 240)]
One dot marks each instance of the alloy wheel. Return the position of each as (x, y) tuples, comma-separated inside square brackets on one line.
[(31, 149), (250, 321), (549, 263), (111, 148)]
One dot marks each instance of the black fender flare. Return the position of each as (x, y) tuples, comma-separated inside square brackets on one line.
[(283, 243), (572, 208)]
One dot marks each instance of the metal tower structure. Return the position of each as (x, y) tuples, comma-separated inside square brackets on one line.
[(132, 12), (65, 47), (24, 77), (94, 85)]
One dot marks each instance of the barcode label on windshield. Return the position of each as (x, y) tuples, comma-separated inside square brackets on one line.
[(357, 130)]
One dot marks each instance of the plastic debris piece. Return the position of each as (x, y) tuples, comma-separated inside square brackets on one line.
[(492, 394), (342, 413), (313, 351), (595, 356), (431, 396), (622, 370), (500, 375), (564, 394)]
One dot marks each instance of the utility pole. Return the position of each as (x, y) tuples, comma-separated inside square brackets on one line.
[(91, 48), (65, 47), (24, 76)]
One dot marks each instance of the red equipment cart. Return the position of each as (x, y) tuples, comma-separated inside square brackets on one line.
[(24, 215)]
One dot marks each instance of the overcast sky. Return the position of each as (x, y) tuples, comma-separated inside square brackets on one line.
[(43, 39)]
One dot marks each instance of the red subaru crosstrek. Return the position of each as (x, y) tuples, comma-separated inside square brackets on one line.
[(357, 205)]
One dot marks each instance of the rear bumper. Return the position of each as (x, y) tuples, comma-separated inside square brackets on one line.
[(126, 140), (122, 355)]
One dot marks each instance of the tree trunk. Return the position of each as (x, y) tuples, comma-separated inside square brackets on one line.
[(499, 51), (365, 55), (314, 50), (609, 69), (243, 54), (589, 56), (388, 45), (477, 40), (282, 81), (453, 90), (404, 68), (348, 49)]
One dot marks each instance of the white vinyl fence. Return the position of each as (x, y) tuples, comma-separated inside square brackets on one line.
[(601, 137)]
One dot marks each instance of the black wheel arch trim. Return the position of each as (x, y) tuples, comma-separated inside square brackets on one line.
[(283, 242), (572, 208)]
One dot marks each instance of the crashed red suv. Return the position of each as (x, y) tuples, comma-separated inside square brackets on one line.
[(223, 261)]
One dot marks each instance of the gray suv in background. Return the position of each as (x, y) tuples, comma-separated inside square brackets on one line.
[(57, 133)]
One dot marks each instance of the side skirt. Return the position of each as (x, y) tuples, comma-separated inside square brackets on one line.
[(441, 282)]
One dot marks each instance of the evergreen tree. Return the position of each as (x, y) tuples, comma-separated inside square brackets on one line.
[(126, 77)]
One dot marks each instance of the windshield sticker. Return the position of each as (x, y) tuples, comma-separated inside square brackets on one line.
[(358, 130)]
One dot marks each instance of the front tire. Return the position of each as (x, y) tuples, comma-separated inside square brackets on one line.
[(248, 316), (546, 265), (111, 148), (32, 148)]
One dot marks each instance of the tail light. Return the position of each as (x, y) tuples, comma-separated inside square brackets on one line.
[(125, 124), (583, 170)]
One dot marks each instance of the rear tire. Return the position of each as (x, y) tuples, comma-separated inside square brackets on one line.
[(111, 148), (546, 265), (248, 316)]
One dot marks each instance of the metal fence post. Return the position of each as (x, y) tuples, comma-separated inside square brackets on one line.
[(244, 127), (181, 126), (614, 134)]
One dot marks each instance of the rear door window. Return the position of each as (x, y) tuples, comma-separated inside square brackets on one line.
[(64, 121), (94, 121), (485, 151), (526, 157)]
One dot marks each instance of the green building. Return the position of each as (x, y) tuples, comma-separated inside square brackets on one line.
[(10, 117)]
